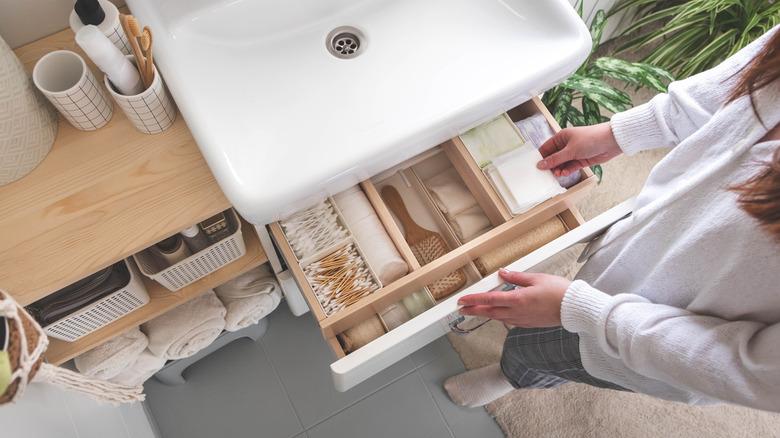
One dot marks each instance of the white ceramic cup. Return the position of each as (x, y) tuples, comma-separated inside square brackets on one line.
[(64, 78), (150, 111)]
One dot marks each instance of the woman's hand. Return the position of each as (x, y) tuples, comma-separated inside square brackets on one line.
[(536, 303), (574, 148)]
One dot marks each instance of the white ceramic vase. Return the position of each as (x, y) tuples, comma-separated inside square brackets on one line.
[(28, 123)]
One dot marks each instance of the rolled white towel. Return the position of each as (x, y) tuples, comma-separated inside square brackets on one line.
[(470, 223), (368, 230), (113, 356), (450, 193), (186, 329), (249, 298), (139, 372)]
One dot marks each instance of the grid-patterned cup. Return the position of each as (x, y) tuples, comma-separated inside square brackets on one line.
[(64, 78), (151, 111)]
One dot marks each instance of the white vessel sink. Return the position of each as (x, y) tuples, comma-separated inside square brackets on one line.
[(281, 120)]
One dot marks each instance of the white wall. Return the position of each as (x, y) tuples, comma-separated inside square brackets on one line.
[(48, 412), (24, 21)]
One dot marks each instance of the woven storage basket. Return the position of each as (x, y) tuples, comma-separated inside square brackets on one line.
[(103, 312), (198, 265)]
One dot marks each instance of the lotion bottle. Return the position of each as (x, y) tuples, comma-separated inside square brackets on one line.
[(104, 15)]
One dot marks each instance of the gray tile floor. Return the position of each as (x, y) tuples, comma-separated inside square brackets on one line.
[(280, 387)]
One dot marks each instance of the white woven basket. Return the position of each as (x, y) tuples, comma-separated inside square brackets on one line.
[(103, 312), (198, 265)]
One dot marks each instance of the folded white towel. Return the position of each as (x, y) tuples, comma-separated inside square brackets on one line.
[(186, 329), (450, 193), (470, 223), (113, 356), (527, 185), (249, 297), (368, 230), (144, 367)]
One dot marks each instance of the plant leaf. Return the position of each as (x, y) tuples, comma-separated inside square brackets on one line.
[(591, 112), (598, 171), (597, 28), (633, 73), (689, 36), (575, 117), (561, 108), (600, 92)]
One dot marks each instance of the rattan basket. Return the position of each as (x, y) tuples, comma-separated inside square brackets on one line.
[(198, 265)]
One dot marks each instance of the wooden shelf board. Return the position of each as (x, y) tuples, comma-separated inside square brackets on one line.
[(98, 197), (161, 301)]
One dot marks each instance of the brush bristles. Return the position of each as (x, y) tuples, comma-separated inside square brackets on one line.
[(144, 41), (133, 26)]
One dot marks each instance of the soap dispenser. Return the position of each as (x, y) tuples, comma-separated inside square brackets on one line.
[(104, 15)]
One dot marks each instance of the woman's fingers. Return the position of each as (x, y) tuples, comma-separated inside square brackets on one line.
[(524, 279), (555, 143), (499, 313), (494, 299), (569, 168), (555, 150)]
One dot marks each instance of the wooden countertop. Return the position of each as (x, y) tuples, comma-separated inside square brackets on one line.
[(98, 197)]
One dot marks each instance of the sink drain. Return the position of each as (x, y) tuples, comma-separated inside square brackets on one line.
[(345, 42)]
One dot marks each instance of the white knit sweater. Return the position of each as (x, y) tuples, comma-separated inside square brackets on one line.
[(682, 299)]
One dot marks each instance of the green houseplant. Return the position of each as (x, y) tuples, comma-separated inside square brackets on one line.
[(581, 99), (689, 36)]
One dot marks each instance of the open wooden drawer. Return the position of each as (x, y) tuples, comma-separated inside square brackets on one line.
[(360, 364)]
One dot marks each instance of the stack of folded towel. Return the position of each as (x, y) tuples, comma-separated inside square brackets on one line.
[(458, 205), (136, 355), (144, 367), (112, 357), (123, 359), (186, 329), (249, 297)]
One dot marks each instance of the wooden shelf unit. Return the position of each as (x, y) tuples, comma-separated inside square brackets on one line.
[(98, 197), (161, 300)]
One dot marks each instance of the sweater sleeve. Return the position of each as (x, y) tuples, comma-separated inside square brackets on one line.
[(669, 118), (732, 361)]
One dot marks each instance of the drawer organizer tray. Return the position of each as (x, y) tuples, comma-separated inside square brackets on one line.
[(200, 264), (504, 228), (343, 241), (102, 312)]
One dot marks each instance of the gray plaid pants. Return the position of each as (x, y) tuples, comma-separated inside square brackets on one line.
[(545, 358)]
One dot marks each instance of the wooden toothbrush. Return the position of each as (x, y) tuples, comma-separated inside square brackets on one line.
[(145, 41), (133, 31)]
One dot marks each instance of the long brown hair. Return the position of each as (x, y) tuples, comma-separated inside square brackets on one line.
[(760, 195)]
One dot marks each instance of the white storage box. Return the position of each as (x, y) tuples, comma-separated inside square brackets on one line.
[(103, 312), (197, 265)]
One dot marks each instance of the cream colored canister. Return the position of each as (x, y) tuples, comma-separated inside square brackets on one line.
[(28, 123)]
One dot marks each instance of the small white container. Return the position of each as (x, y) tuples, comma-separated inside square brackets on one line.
[(111, 27), (152, 110), (64, 78), (103, 312), (198, 265)]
